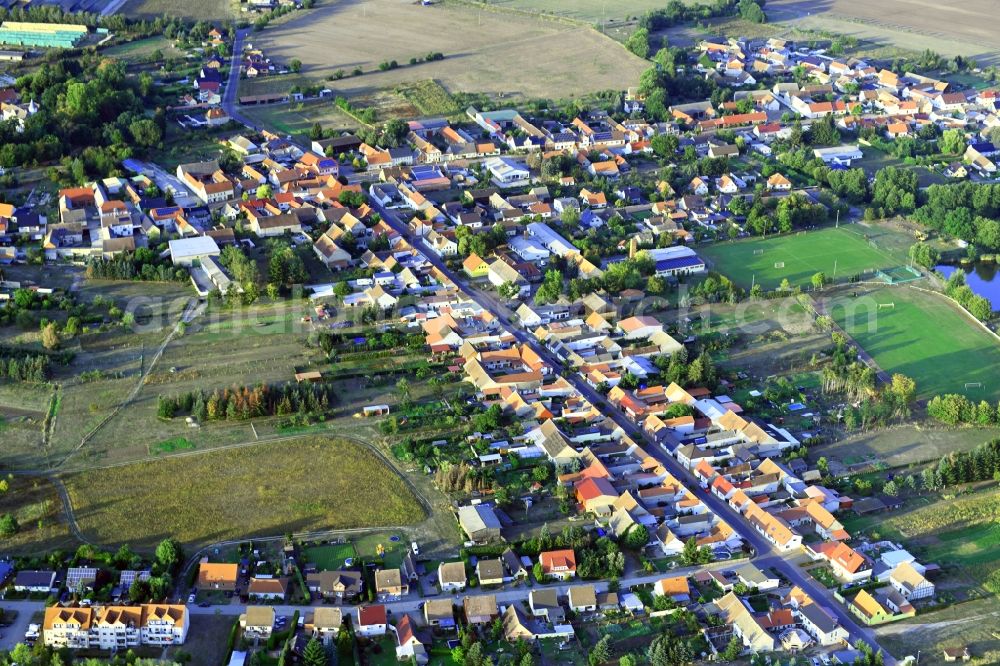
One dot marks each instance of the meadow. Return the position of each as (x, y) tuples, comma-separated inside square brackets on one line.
[(36, 506), (959, 533), (484, 50), (840, 253), (298, 119), (311, 483), (194, 10), (924, 336)]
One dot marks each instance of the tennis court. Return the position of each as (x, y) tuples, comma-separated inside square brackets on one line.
[(840, 253)]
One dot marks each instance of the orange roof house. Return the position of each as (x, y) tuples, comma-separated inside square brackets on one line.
[(560, 563), (217, 575)]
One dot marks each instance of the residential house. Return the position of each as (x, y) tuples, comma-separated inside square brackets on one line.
[(257, 622), (389, 583), (480, 608), (910, 582), (217, 575), (675, 587), (273, 589), (411, 643), (582, 599), (324, 623), (558, 563), (37, 582), (451, 576), (335, 585), (821, 625), (745, 624), (544, 603), (372, 621), (439, 613), (490, 571)]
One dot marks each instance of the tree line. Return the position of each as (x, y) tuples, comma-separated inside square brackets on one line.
[(24, 367), (978, 306), (240, 403), (139, 265)]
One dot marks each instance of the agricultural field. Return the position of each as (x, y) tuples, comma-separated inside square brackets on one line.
[(948, 28), (429, 98), (141, 50), (36, 506), (484, 51), (905, 445), (924, 336), (194, 10), (588, 11), (298, 119), (962, 534), (838, 252), (310, 483)]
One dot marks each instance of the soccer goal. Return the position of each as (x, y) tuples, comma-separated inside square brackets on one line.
[(761, 251), (779, 264), (973, 385), (887, 306), (872, 244)]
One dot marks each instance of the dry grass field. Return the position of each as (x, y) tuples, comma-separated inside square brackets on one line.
[(195, 10), (222, 348), (35, 505), (485, 51), (307, 484), (950, 28)]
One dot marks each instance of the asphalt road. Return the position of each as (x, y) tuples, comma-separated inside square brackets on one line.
[(763, 548), (766, 554), (412, 603)]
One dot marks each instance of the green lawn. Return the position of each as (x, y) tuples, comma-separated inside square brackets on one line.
[(840, 253), (331, 556), (926, 337)]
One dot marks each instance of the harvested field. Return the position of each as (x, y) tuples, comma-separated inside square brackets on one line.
[(307, 484), (950, 28), (484, 51), (194, 10), (905, 445)]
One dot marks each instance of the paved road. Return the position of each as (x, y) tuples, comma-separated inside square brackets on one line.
[(410, 604), (761, 546), (230, 96), (14, 634)]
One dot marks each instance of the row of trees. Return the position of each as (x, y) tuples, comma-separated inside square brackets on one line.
[(978, 306), (25, 367), (957, 467), (139, 265), (953, 409), (241, 403)]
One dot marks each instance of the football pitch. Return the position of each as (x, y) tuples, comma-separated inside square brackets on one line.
[(840, 253), (923, 336)]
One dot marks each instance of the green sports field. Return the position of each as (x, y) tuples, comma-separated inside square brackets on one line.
[(838, 252), (924, 336)]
